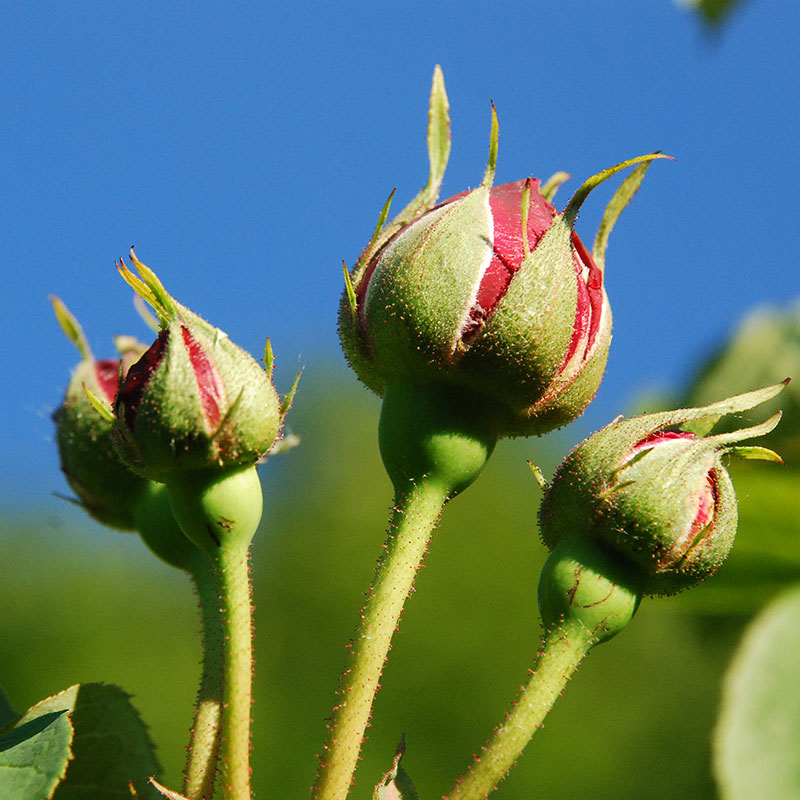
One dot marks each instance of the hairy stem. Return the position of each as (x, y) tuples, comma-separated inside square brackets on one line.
[(233, 578), (413, 521), (563, 649), (201, 761)]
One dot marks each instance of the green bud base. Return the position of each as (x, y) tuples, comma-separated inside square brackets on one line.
[(217, 508), (440, 434)]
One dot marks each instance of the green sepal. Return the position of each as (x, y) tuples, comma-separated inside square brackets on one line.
[(755, 453), (269, 358), (438, 152), (288, 398), (586, 188), (520, 349), (491, 164), (100, 406), (438, 140), (644, 506), (71, 327), (615, 207), (423, 286), (549, 188), (395, 784), (149, 288)]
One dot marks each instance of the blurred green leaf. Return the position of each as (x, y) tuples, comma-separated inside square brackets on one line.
[(7, 713), (713, 11), (757, 750), (763, 349), (110, 747), (34, 753)]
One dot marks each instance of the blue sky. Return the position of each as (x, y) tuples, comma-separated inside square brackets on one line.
[(246, 149)]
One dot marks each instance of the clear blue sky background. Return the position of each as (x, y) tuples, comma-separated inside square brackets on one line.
[(246, 149)]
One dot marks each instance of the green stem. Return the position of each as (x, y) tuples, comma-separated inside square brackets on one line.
[(563, 649), (201, 760), (414, 518), (233, 579)]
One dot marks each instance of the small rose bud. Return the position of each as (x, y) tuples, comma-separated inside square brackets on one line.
[(196, 412), (491, 293), (654, 490), (194, 400), (105, 487)]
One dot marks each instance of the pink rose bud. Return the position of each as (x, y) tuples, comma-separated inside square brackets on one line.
[(653, 490), (194, 400), (105, 488), (491, 293)]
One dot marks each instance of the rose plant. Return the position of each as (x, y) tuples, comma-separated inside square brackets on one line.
[(475, 319)]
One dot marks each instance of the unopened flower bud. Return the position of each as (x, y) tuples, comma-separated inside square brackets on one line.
[(493, 294), (654, 490), (194, 400), (105, 487)]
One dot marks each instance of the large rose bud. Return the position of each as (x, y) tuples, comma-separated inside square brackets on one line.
[(104, 486), (654, 490), (197, 412), (493, 293)]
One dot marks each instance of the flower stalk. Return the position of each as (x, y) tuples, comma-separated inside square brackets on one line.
[(233, 578), (412, 524), (203, 750), (586, 596)]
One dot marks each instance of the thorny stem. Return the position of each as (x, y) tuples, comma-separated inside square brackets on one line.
[(201, 760), (414, 518), (233, 578), (563, 649)]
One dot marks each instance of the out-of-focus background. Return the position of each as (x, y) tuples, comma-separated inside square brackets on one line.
[(246, 151)]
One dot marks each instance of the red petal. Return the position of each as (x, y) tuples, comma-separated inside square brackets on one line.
[(106, 372), (209, 382)]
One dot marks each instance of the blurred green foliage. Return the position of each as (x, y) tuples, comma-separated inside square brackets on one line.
[(84, 604)]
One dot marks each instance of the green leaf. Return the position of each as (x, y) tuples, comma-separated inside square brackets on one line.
[(395, 784), (34, 753), (7, 713), (111, 749), (714, 11), (757, 741)]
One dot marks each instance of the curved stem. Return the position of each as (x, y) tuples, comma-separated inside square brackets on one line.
[(563, 649), (233, 578), (201, 759), (414, 518)]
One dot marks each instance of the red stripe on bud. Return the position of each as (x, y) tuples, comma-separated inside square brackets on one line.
[(209, 382)]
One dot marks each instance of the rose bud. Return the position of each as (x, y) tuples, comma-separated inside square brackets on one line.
[(482, 317), (493, 293), (196, 412), (653, 490), (105, 487)]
